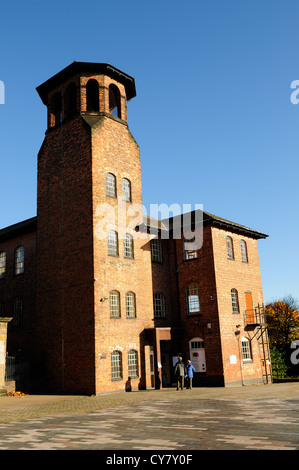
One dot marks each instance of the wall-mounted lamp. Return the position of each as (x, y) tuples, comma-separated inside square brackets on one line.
[(103, 299)]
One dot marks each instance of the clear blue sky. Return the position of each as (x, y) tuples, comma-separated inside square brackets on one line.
[(213, 115)]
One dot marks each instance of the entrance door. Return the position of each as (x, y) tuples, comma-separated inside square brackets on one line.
[(152, 367), (249, 307), (197, 354)]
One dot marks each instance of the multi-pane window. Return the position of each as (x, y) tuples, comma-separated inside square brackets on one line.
[(132, 363), (229, 248), (244, 251), (235, 301), (246, 351), (112, 243), (110, 185), (116, 365), (2, 264), (193, 303), (126, 190), (128, 246), (19, 260), (17, 311), (114, 303), (189, 253), (159, 305), (130, 305), (156, 250)]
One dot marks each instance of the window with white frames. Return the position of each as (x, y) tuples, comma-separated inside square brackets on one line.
[(159, 305), (189, 253), (19, 260), (246, 350), (128, 246), (235, 301), (112, 243), (193, 303), (243, 247), (110, 185), (130, 305), (132, 363), (116, 365), (2, 264), (156, 250), (114, 304), (126, 190)]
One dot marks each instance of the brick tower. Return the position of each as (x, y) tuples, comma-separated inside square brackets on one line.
[(94, 296)]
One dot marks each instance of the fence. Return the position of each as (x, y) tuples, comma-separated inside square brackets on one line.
[(16, 368)]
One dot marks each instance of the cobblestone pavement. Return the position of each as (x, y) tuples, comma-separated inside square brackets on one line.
[(239, 418)]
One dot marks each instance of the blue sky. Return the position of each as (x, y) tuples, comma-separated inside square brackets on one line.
[(213, 115)]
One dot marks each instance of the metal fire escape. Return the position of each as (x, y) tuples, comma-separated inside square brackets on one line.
[(255, 322)]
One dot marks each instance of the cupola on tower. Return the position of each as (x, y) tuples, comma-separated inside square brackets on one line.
[(93, 294)]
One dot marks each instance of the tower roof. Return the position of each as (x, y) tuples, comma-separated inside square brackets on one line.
[(87, 67)]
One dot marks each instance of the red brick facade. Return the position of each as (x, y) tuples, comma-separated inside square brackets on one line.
[(112, 314)]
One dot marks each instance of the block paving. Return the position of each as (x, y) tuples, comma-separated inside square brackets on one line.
[(264, 417)]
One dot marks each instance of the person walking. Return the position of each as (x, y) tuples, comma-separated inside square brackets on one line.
[(180, 372), (190, 371)]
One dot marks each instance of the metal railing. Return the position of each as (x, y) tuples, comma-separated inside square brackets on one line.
[(16, 368)]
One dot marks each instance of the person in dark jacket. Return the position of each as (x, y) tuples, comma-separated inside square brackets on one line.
[(190, 371), (180, 372)]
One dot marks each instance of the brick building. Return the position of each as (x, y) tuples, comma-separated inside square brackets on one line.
[(103, 298)]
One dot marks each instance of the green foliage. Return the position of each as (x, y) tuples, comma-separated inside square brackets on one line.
[(278, 361)]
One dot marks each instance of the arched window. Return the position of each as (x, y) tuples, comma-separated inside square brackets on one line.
[(19, 260), (132, 363), (235, 301), (114, 304), (114, 101), (112, 243), (71, 101), (92, 96), (116, 365), (193, 303), (244, 251), (128, 246), (57, 108), (246, 350), (229, 248), (156, 251), (130, 305), (159, 305), (110, 185), (2, 264), (126, 190)]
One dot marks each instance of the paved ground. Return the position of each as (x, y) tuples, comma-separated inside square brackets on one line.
[(264, 417)]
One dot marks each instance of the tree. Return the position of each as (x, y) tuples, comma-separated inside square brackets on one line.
[(282, 317)]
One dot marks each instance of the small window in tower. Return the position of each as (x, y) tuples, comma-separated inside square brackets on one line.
[(244, 251), (2, 264), (70, 101), (19, 260), (126, 190), (229, 248), (92, 96), (110, 185), (114, 101)]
